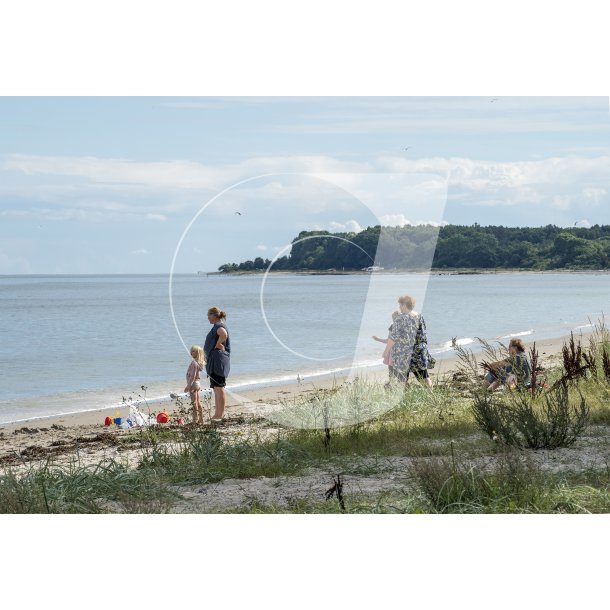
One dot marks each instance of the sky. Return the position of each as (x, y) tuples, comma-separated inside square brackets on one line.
[(152, 184)]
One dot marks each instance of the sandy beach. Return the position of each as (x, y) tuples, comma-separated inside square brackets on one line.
[(84, 434)]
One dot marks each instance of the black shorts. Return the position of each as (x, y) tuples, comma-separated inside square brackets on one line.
[(217, 381)]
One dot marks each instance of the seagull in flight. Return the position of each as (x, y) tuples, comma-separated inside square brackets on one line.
[(238, 213), (407, 148), (495, 99)]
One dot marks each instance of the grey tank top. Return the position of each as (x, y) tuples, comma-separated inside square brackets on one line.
[(218, 362)]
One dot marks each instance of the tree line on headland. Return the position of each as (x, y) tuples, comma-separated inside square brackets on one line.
[(447, 247)]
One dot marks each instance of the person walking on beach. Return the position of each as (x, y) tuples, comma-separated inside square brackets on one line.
[(217, 348), (514, 371), (388, 359), (193, 384), (407, 344)]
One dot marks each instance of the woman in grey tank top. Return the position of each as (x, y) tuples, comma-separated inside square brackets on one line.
[(217, 348)]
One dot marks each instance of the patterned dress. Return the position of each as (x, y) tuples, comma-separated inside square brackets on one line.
[(410, 349)]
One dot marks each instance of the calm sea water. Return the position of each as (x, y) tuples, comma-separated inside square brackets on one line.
[(77, 343)]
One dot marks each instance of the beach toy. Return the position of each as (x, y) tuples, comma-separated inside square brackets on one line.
[(137, 417), (107, 421), (118, 421), (162, 418)]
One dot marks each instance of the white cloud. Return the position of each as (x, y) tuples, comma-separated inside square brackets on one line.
[(473, 174), (595, 194), (86, 213), (140, 252), (561, 201), (351, 226), (400, 220), (394, 220), (451, 116), (184, 179), (432, 223), (556, 182), (483, 175), (261, 248), (123, 172), (112, 185)]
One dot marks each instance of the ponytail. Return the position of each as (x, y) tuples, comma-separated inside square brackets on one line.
[(217, 313)]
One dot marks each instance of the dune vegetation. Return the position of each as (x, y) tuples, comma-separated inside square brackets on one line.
[(362, 447)]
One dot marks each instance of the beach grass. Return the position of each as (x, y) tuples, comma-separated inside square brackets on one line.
[(201, 457), (106, 487), (439, 489), (429, 439)]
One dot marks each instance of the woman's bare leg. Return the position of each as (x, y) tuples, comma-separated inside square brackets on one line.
[(219, 402)]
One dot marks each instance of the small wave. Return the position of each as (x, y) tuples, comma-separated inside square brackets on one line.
[(449, 345), (249, 384), (583, 326), (523, 333)]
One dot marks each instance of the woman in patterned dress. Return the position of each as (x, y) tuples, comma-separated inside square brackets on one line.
[(407, 343)]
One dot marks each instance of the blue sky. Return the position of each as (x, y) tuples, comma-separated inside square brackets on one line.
[(110, 184)]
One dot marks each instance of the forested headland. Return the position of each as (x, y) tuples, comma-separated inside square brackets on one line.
[(447, 247)]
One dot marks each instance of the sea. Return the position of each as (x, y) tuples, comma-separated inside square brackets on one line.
[(71, 344)]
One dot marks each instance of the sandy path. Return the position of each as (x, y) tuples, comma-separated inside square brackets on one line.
[(591, 451)]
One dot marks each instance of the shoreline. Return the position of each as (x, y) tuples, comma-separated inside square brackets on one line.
[(252, 402), (434, 271)]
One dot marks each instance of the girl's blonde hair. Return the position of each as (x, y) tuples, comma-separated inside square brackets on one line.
[(197, 353)]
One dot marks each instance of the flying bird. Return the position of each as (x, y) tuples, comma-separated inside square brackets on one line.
[(495, 99), (239, 213), (407, 148)]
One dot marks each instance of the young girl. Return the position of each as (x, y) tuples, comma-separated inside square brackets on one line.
[(193, 384), (388, 359)]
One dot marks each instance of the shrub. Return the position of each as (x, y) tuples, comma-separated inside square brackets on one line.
[(546, 421), (512, 484)]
